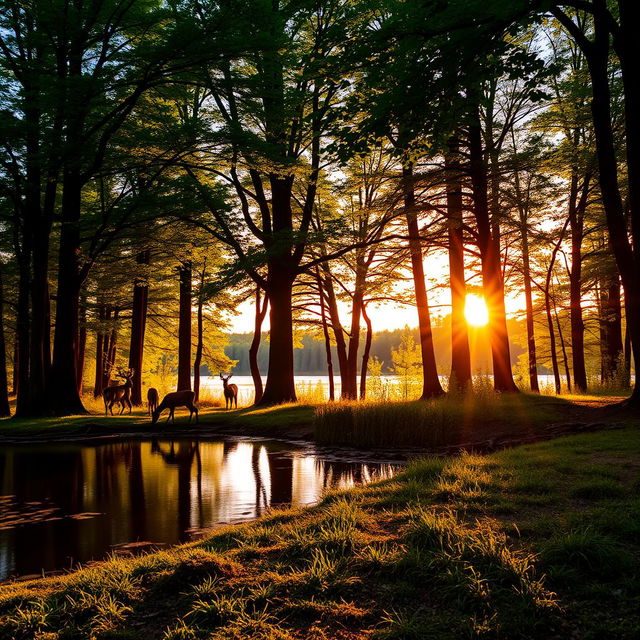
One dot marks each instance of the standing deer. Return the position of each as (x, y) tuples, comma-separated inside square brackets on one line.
[(230, 392), (152, 400), (173, 400), (118, 393)]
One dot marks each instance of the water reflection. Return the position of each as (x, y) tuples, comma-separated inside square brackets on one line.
[(65, 504)]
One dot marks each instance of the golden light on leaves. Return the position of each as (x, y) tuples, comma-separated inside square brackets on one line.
[(475, 310)]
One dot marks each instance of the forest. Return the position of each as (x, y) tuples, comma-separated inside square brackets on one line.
[(164, 162), (387, 255)]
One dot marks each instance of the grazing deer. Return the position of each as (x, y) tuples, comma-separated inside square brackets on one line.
[(173, 400), (152, 400), (230, 392), (118, 393)]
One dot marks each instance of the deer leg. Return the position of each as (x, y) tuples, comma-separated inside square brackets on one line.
[(196, 410), (121, 407)]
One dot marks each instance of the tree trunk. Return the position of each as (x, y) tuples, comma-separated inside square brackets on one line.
[(531, 339), (260, 313), (197, 361), (100, 353), (138, 327), (610, 328), (628, 51), (627, 354), (565, 359), (523, 212), (184, 328), (16, 369), (63, 397), (365, 353), (110, 346), (350, 381), (336, 325), (280, 386), (576, 225), (82, 342), (4, 383), (23, 404), (40, 350), (327, 339), (460, 354), (431, 386), (492, 281), (552, 342), (597, 55)]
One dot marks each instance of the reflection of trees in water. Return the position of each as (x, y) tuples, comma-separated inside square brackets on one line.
[(137, 498), (182, 457), (261, 490), (334, 473), (281, 475), (36, 475)]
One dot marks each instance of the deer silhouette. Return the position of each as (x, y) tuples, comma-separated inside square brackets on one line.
[(173, 400), (118, 393), (152, 400), (230, 392)]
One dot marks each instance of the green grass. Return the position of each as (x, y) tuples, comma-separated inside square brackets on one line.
[(509, 545), (451, 420), (272, 420), (448, 420)]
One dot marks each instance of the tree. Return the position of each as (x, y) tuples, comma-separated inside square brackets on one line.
[(273, 101), (595, 42)]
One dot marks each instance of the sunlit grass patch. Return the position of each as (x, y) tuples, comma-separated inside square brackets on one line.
[(441, 421)]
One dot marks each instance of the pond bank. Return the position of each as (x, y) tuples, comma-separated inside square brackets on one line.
[(481, 424), (539, 541)]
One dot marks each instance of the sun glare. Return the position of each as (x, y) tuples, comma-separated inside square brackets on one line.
[(475, 310)]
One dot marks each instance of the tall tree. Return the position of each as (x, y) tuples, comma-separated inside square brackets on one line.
[(618, 31), (184, 326), (273, 101), (138, 326)]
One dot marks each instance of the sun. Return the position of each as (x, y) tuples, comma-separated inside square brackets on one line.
[(475, 310)]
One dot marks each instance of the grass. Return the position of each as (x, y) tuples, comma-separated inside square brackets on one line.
[(509, 545), (278, 420), (449, 420)]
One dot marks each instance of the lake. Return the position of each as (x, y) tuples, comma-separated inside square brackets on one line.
[(65, 504), (313, 384)]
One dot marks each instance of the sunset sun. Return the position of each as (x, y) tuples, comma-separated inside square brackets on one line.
[(475, 310)]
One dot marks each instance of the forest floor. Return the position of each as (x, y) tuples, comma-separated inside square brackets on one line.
[(537, 541)]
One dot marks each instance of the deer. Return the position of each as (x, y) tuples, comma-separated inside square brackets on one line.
[(173, 400), (152, 399), (119, 393), (230, 392)]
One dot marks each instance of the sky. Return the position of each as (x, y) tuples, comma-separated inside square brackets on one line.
[(390, 316)]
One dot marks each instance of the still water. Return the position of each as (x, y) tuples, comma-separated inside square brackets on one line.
[(64, 504)]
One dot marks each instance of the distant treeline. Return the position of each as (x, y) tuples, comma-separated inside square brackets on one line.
[(310, 356)]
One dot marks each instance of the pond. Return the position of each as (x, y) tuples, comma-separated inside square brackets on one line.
[(66, 504)]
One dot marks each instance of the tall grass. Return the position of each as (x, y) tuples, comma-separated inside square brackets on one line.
[(447, 420)]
